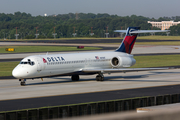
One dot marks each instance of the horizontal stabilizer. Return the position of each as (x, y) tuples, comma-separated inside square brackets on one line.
[(121, 31), (141, 31)]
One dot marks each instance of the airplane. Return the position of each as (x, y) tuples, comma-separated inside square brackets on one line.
[(85, 63)]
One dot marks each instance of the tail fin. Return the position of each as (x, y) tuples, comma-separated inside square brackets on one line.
[(129, 40)]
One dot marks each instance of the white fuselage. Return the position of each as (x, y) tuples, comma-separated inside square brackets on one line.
[(67, 64)]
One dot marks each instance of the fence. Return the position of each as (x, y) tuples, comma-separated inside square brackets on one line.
[(88, 108)]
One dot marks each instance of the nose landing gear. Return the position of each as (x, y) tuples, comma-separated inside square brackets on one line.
[(22, 82)]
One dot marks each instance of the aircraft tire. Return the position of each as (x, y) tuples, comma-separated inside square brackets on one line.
[(75, 77), (100, 78), (23, 83)]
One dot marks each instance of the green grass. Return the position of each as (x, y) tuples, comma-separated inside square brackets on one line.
[(149, 43), (141, 61), (19, 49), (158, 43), (159, 37), (157, 61), (7, 67)]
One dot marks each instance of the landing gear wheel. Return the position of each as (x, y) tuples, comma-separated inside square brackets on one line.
[(100, 77), (23, 83), (75, 77)]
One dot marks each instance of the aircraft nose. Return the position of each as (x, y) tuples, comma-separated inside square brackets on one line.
[(17, 73)]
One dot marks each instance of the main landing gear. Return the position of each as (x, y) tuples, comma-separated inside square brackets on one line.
[(22, 82), (100, 77), (75, 77)]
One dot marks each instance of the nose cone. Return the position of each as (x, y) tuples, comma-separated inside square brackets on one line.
[(19, 72), (16, 73)]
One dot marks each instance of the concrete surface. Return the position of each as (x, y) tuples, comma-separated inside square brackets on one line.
[(10, 89)]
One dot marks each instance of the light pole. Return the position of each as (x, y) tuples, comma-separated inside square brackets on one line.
[(54, 34), (16, 34)]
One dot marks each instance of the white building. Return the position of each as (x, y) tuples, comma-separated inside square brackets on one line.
[(163, 24)]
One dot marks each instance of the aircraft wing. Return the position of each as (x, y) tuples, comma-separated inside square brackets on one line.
[(121, 70)]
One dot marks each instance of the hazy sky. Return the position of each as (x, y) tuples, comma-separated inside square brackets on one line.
[(147, 8)]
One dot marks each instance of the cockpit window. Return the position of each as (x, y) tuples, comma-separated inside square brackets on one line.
[(30, 63)]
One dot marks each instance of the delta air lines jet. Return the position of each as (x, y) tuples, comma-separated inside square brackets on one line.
[(75, 64)]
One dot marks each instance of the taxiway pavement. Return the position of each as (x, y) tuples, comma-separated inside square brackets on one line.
[(63, 91), (11, 89)]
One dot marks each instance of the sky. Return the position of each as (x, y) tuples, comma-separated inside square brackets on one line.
[(147, 8)]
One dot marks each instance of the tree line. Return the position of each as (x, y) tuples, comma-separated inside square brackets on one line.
[(66, 24)]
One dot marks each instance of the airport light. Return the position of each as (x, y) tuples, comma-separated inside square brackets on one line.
[(74, 34), (106, 32), (54, 34), (16, 34), (91, 32)]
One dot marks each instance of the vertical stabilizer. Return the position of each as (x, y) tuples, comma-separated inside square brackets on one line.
[(128, 41)]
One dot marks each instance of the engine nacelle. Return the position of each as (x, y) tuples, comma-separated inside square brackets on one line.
[(118, 61)]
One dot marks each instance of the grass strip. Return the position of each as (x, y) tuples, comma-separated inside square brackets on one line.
[(158, 43), (157, 61), (159, 37), (141, 62), (20, 49), (7, 67)]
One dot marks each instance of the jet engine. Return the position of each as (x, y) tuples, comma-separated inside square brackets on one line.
[(118, 61)]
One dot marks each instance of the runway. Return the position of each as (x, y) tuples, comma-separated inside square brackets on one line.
[(10, 89), (62, 91)]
